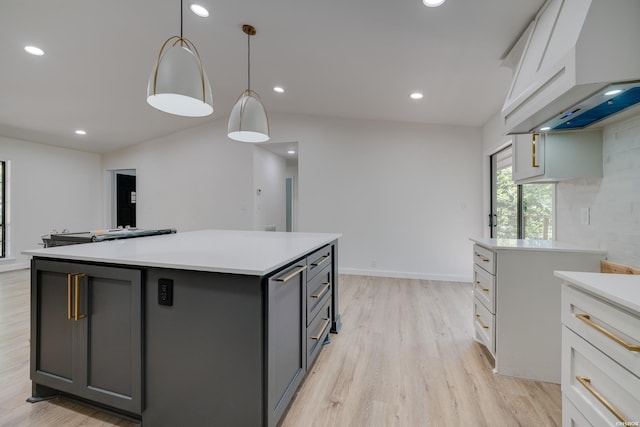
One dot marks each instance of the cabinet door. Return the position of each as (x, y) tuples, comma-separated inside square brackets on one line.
[(86, 332), (53, 334), (528, 156), (286, 338), (111, 356)]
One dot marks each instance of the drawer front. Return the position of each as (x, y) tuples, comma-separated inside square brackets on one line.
[(484, 287), (317, 332), (602, 390), (571, 417), (485, 258), (318, 260), (484, 325), (609, 328), (318, 290)]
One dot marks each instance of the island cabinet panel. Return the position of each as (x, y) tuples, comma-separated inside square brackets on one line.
[(204, 352), (86, 333), (286, 338)]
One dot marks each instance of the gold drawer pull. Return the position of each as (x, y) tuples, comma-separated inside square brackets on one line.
[(291, 275), (324, 328), (484, 289), (480, 321), (322, 291), (484, 259), (321, 261), (586, 382), (587, 319)]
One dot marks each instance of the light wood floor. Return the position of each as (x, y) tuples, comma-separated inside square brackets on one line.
[(405, 358)]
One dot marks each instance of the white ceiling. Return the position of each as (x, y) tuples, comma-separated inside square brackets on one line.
[(353, 58)]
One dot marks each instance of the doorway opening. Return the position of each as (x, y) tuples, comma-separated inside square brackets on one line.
[(124, 198)]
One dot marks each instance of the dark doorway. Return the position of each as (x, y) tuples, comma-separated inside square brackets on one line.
[(126, 200)]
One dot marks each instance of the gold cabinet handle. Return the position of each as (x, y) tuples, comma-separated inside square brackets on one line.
[(322, 291), (69, 297), (480, 321), (484, 259), (587, 319), (534, 140), (291, 275), (586, 383), (321, 261), (479, 283), (324, 328), (77, 315)]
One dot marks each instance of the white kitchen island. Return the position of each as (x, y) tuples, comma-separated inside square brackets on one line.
[(517, 301), (209, 327)]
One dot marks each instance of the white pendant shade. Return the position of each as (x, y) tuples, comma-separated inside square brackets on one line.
[(248, 121), (178, 84)]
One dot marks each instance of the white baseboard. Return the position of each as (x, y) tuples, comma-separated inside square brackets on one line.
[(9, 265), (405, 275)]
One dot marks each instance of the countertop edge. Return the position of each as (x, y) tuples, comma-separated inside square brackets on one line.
[(533, 245), (620, 289)]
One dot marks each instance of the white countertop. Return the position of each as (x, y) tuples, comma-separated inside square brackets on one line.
[(533, 245), (253, 253), (621, 289)]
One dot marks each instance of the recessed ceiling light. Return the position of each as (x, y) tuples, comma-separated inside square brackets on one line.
[(199, 10), (613, 92), (34, 50), (278, 89), (81, 132), (416, 95), (433, 3), (291, 151), (545, 128)]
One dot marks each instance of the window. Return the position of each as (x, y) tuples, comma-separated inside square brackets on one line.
[(3, 205), (518, 211)]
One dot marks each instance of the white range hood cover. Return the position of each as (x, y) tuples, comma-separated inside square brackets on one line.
[(573, 50)]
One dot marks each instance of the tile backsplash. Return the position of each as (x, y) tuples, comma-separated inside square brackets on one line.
[(613, 201)]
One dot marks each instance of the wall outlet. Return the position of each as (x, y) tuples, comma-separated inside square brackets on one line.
[(165, 292), (586, 216)]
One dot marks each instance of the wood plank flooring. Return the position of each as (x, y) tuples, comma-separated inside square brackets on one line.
[(405, 357)]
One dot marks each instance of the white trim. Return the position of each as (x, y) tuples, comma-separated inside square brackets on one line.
[(405, 275), (10, 265)]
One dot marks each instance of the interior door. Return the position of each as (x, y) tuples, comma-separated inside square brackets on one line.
[(126, 200)]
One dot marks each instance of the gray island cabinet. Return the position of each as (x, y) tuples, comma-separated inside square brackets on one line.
[(206, 328)]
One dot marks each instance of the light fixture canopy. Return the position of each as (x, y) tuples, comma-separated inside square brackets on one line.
[(178, 83), (248, 121)]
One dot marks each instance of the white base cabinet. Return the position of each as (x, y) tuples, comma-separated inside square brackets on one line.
[(600, 350), (517, 303)]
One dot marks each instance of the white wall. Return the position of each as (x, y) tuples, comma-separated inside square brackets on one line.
[(50, 188), (406, 197), (191, 180), (613, 200), (269, 171)]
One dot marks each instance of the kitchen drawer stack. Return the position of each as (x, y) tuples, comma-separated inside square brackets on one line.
[(484, 296), (319, 292), (600, 358)]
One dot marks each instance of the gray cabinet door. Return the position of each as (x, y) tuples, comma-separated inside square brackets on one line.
[(87, 332), (286, 338)]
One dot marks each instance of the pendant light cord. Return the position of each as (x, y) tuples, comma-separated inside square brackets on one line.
[(181, 18), (249, 61)]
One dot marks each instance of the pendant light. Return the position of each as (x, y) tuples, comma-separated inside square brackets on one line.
[(178, 84), (248, 121)]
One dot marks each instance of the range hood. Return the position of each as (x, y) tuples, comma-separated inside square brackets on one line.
[(577, 55)]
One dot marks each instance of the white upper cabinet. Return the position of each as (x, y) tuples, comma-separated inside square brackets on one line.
[(573, 49), (557, 156)]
